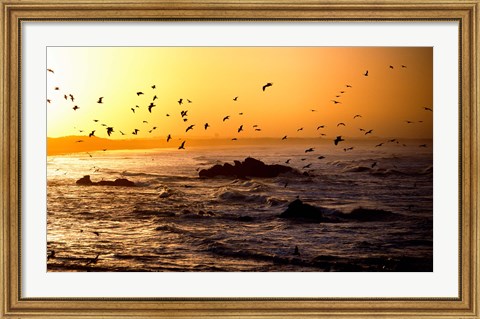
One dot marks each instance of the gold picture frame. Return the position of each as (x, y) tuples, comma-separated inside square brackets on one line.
[(14, 12)]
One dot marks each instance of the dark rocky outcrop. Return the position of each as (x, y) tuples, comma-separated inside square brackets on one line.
[(298, 210), (250, 167), (85, 180)]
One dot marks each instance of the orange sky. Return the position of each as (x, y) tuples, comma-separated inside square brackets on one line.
[(304, 79)]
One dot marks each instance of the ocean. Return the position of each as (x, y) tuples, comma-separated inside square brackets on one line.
[(175, 221)]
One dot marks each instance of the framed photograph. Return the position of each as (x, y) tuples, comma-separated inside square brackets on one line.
[(239, 159)]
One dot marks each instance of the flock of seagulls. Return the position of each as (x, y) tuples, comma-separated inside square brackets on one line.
[(184, 116)]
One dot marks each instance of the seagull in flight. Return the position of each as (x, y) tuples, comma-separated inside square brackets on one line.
[(139, 93), (266, 86), (100, 100), (368, 132), (190, 128), (206, 125), (240, 129), (169, 137), (180, 102), (235, 98), (91, 134), (284, 138), (340, 124), (150, 107), (338, 139), (226, 118), (182, 146), (358, 115)]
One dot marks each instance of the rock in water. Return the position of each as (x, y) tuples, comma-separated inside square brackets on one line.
[(250, 167), (85, 180), (298, 210)]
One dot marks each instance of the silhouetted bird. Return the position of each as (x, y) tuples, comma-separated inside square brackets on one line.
[(49, 101), (258, 129), (96, 233), (408, 122), (183, 113), (348, 149), (287, 161), (139, 93), (153, 86), (341, 123), (428, 109), (75, 108), (91, 134), (368, 132), (154, 98), (135, 131), (391, 66), (95, 120), (234, 139), (182, 146), (65, 97), (378, 145), (321, 157), (240, 129), (366, 73), (300, 129), (284, 138), (79, 141), (404, 66), (100, 100), (189, 101), (190, 128), (321, 126), (169, 137), (71, 97), (180, 102), (342, 92), (122, 133), (311, 149), (336, 102), (206, 125), (150, 107), (338, 140), (56, 88), (373, 165), (348, 86), (50, 70), (226, 118), (307, 166), (235, 98), (93, 260), (133, 110), (358, 115), (392, 140), (109, 130), (266, 86)]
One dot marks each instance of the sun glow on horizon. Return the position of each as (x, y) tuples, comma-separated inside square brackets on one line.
[(306, 82)]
